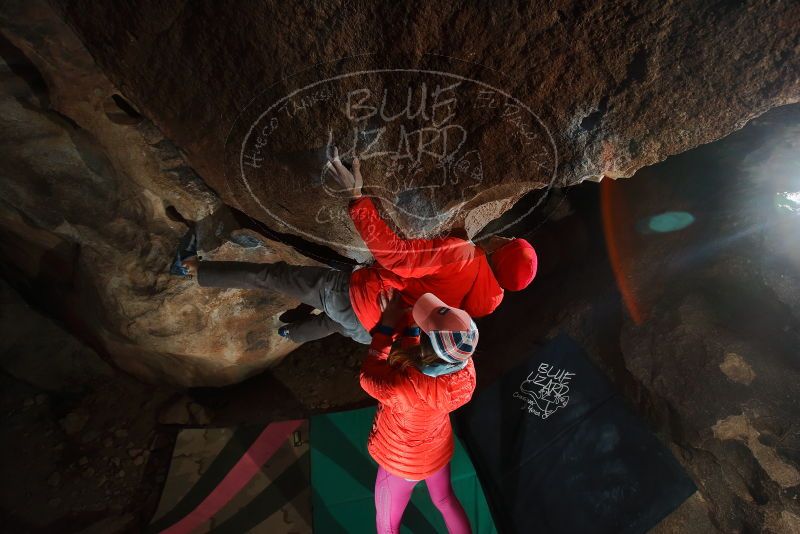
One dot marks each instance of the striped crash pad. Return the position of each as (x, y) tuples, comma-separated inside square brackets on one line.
[(281, 479), (246, 479), (343, 479)]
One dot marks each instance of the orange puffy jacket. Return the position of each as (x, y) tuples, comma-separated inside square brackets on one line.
[(453, 269), (411, 436)]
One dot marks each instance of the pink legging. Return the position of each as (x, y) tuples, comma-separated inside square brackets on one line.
[(392, 494)]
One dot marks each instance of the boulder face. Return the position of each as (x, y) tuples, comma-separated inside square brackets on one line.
[(456, 109), (85, 218), (124, 126)]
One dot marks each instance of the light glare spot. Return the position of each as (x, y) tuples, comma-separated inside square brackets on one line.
[(788, 202), (670, 221)]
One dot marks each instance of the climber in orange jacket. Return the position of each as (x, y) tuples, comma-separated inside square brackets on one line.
[(417, 385), (462, 274)]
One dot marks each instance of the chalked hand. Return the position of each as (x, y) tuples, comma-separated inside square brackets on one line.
[(350, 181)]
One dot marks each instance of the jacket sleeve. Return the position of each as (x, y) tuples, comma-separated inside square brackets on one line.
[(378, 378), (461, 390), (408, 258), (485, 294)]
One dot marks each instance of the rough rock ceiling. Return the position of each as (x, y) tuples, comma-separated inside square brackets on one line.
[(119, 121), (618, 86)]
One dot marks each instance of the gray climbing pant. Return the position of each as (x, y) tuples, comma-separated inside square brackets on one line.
[(324, 288)]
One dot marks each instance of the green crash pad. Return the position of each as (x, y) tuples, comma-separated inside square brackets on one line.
[(343, 481)]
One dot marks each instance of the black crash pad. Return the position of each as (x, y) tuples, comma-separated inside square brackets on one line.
[(557, 450)]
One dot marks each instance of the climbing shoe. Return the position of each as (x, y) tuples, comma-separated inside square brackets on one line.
[(186, 249)]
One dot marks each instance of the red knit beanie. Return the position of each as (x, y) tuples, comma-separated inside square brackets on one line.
[(514, 264)]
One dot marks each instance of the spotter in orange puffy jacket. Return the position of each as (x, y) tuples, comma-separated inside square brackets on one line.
[(412, 436)]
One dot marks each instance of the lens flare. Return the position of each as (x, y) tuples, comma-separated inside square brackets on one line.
[(669, 221), (619, 237)]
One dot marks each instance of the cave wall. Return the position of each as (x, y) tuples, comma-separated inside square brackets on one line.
[(697, 327), (87, 233), (86, 452), (715, 338)]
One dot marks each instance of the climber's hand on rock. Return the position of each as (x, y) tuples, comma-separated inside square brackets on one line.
[(359, 181), (352, 182)]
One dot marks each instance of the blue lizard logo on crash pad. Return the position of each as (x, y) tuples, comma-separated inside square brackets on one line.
[(545, 390)]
